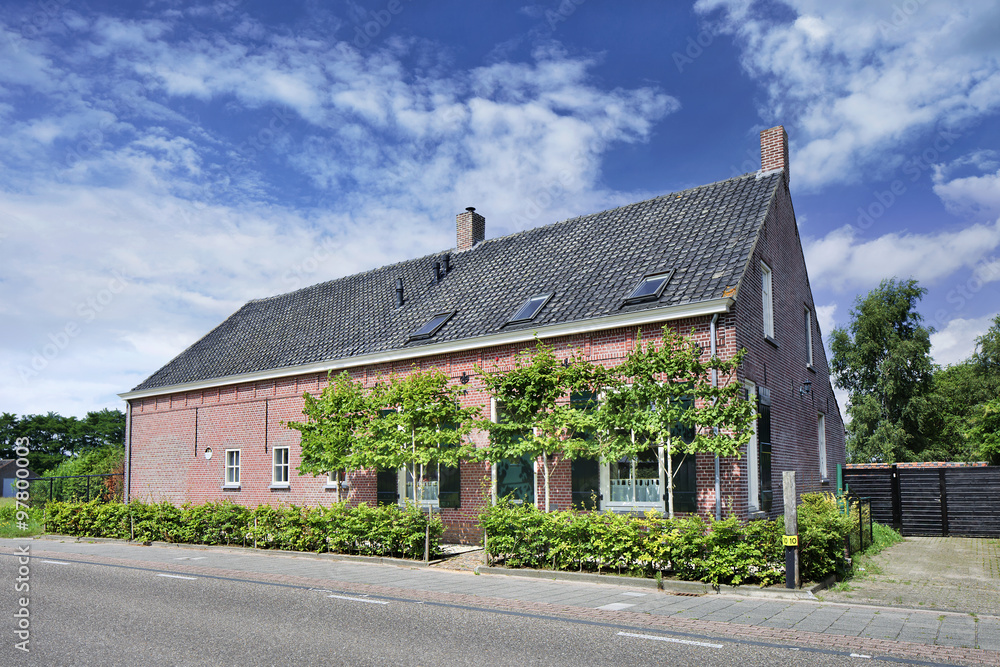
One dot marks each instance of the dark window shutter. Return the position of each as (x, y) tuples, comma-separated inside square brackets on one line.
[(449, 486)]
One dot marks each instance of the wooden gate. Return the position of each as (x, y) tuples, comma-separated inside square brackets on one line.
[(922, 499)]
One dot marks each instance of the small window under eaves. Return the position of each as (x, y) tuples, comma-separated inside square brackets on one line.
[(530, 308), (432, 326), (650, 288)]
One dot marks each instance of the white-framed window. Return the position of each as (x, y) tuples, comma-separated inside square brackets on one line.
[(809, 337), (279, 467), (821, 434), (233, 468), (767, 298), (637, 483), (331, 479)]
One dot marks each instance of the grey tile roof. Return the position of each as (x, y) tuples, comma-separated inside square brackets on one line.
[(591, 263)]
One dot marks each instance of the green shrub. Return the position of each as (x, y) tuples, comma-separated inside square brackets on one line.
[(822, 531), (386, 530), (723, 552)]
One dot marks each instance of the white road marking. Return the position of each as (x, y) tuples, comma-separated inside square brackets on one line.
[(177, 576), (191, 558), (669, 639), (635, 595), (56, 562), (345, 597), (616, 606), (860, 655)]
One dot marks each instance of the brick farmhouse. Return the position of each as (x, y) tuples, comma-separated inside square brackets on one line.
[(723, 261)]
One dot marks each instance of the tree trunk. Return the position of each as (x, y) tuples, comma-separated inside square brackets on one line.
[(670, 478), (336, 479), (545, 471)]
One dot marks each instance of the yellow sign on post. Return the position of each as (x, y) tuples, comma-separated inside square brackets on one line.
[(790, 540)]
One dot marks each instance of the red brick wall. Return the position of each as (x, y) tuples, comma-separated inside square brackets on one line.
[(165, 464), (781, 366)]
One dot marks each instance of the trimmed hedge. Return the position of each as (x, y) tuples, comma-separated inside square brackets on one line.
[(386, 530), (688, 548)]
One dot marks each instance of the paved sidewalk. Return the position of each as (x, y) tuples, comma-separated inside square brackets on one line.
[(932, 636), (943, 573)]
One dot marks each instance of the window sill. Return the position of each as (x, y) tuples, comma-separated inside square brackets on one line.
[(771, 341), (333, 485), (638, 508), (280, 486), (231, 487), (753, 514)]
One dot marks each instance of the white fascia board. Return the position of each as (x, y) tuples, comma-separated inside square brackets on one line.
[(503, 338)]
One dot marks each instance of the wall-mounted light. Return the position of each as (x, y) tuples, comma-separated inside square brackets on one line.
[(464, 379), (565, 363), (806, 388), (697, 350)]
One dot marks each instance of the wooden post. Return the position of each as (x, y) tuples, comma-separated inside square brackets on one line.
[(791, 541)]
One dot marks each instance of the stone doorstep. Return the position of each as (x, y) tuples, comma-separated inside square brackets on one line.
[(374, 560), (669, 585)]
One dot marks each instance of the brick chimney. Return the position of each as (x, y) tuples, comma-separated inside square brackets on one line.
[(774, 150), (471, 228)]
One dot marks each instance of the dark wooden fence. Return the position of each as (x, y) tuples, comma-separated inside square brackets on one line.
[(931, 500)]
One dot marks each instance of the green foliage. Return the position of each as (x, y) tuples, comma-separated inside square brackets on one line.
[(985, 432), (721, 552), (337, 425), (386, 530), (822, 530), (539, 419), (52, 437), (662, 394), (105, 460), (8, 520), (883, 359)]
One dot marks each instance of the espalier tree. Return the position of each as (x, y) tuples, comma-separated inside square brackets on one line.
[(421, 424), (663, 395), (536, 416), (337, 428)]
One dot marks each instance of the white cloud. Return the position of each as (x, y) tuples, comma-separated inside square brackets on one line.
[(178, 209), (842, 260), (977, 196), (825, 319), (957, 341), (856, 79)]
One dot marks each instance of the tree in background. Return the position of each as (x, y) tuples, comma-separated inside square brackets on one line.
[(883, 359), (538, 419), (53, 438)]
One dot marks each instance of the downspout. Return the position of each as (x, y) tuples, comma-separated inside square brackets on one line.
[(715, 383), (128, 450)]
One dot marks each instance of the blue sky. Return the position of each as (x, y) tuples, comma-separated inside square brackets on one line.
[(163, 162)]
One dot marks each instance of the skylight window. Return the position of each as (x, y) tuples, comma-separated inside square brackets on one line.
[(431, 327), (650, 288), (530, 309)]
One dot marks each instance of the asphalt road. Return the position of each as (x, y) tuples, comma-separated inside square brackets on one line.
[(87, 614)]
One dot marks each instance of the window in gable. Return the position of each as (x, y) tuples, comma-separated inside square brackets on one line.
[(809, 338), (432, 326), (650, 288), (767, 298), (530, 309)]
